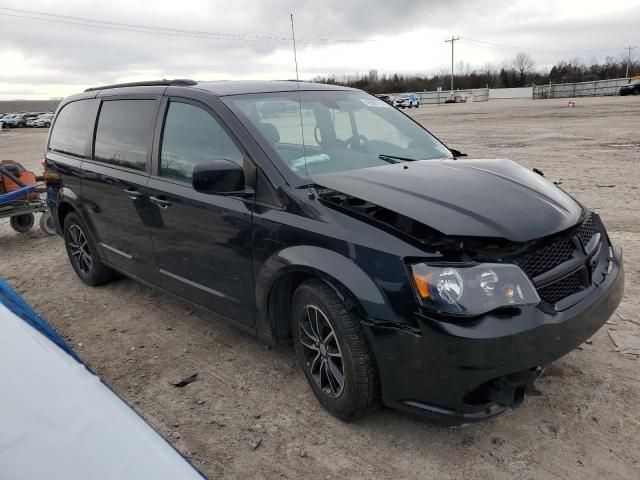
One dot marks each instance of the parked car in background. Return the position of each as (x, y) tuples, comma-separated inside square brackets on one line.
[(20, 120), (407, 100), (631, 88), (386, 98), (400, 272), (43, 120), (6, 119)]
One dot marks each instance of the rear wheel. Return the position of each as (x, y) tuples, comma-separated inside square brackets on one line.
[(22, 223), (83, 254), (333, 352)]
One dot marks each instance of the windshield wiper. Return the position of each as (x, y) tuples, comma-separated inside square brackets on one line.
[(394, 158)]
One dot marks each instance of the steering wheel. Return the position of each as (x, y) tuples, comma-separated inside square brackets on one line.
[(356, 142)]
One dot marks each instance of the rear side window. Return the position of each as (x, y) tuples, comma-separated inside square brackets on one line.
[(69, 132), (192, 136), (124, 132)]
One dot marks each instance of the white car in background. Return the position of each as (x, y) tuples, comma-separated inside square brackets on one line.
[(407, 100), (43, 120)]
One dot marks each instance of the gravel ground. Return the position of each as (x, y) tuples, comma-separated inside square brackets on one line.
[(585, 424)]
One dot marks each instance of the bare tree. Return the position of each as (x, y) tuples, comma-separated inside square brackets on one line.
[(524, 64)]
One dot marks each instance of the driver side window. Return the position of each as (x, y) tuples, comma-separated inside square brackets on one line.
[(191, 136)]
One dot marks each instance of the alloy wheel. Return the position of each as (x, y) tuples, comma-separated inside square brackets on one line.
[(321, 351), (79, 249)]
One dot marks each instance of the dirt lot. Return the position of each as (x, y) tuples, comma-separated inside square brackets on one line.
[(586, 423)]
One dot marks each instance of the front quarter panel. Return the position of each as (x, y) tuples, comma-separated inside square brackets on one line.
[(307, 236)]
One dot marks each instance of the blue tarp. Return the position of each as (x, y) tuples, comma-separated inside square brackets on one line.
[(16, 304), (59, 421)]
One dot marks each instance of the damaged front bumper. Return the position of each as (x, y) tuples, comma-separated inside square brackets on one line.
[(467, 372)]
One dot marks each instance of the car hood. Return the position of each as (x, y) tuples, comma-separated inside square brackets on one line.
[(480, 198)]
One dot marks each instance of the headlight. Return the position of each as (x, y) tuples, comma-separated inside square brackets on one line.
[(472, 289)]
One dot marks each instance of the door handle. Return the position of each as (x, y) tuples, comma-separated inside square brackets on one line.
[(160, 202), (133, 193)]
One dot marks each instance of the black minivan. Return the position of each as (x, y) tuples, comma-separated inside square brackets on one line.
[(322, 215)]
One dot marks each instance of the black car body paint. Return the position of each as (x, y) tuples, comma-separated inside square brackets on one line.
[(240, 256)]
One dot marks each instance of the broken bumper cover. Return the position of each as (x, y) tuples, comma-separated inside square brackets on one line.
[(468, 372)]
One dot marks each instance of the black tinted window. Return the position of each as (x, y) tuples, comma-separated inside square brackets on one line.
[(125, 129), (192, 136), (70, 129)]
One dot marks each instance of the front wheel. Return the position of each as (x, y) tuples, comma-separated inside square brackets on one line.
[(333, 352)]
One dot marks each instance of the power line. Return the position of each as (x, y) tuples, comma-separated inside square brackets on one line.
[(501, 46), (54, 17), (164, 31)]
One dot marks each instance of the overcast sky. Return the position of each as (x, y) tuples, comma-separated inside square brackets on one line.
[(41, 59)]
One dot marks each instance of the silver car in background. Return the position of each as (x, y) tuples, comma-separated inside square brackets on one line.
[(43, 120)]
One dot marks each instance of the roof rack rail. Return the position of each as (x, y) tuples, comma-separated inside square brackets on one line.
[(148, 83)]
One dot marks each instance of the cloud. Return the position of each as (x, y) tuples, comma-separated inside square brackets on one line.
[(405, 35)]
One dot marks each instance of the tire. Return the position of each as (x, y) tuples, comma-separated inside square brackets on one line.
[(22, 223), (47, 124), (83, 254), (336, 343), (636, 91), (46, 223)]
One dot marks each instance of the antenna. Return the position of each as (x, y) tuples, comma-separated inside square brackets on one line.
[(304, 148)]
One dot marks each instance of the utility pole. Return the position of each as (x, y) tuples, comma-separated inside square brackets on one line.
[(629, 48), (452, 40)]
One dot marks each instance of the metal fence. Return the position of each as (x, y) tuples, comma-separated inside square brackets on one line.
[(510, 93), (582, 89)]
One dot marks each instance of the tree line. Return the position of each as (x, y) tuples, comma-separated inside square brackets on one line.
[(520, 71)]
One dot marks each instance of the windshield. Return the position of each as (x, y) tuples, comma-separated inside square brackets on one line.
[(343, 130)]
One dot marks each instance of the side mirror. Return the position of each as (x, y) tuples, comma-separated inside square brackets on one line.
[(221, 177), (457, 153)]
